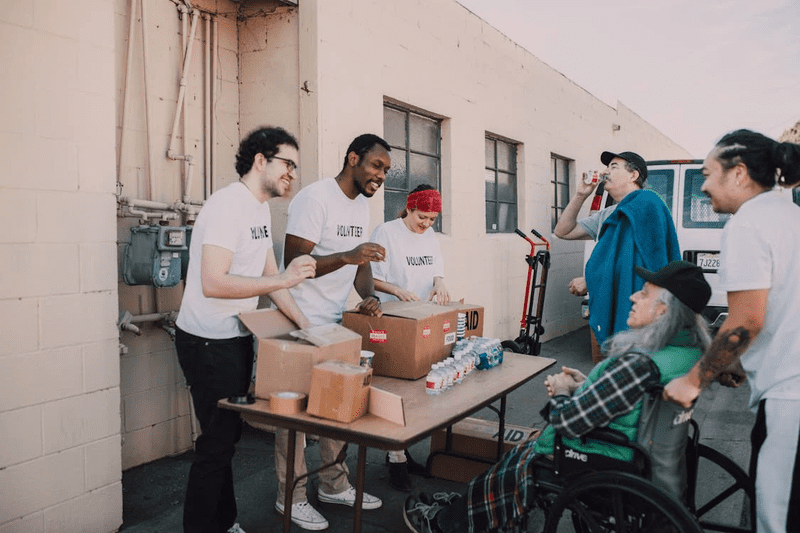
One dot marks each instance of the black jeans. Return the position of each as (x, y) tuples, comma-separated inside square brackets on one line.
[(214, 369)]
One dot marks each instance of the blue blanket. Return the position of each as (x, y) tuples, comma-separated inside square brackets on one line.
[(639, 232)]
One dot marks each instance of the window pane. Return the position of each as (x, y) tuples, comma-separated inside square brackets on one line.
[(553, 218), (697, 211), (393, 203), (507, 217), (397, 177), (489, 151), (423, 134), (563, 171), (491, 186), (563, 193), (506, 156), (506, 187), (394, 127), (425, 170), (491, 217)]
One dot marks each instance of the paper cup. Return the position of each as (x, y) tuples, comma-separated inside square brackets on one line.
[(366, 358)]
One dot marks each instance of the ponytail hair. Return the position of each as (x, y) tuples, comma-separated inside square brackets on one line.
[(768, 162)]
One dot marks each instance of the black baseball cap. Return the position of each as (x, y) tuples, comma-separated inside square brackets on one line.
[(631, 157), (683, 279)]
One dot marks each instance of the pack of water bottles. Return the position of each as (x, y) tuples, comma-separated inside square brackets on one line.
[(468, 354)]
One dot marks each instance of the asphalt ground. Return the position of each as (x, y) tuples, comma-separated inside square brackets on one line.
[(153, 493)]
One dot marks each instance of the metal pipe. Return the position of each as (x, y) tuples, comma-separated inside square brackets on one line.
[(182, 90), (207, 107), (213, 99), (151, 186), (125, 93)]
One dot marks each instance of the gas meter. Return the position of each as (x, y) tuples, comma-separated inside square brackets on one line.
[(153, 256)]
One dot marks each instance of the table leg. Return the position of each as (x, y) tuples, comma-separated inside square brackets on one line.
[(501, 428), (289, 485), (362, 465)]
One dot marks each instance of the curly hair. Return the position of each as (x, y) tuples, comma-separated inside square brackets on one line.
[(265, 141), (363, 144)]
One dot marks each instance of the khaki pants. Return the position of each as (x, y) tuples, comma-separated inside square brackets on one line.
[(332, 480)]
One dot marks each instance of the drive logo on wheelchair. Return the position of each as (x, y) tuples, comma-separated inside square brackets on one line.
[(682, 417), (572, 454)]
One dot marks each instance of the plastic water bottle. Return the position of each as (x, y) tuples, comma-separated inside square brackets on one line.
[(458, 375), (449, 375), (433, 383)]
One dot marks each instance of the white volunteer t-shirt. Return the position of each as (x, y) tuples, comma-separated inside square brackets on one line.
[(761, 250), (323, 214), (233, 219), (412, 259)]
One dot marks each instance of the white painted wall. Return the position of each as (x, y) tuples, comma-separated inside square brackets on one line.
[(59, 395), (470, 73)]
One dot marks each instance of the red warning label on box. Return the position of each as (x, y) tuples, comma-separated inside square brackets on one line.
[(377, 335), (446, 327), (426, 332)]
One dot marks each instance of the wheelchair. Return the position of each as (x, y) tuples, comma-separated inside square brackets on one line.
[(590, 493)]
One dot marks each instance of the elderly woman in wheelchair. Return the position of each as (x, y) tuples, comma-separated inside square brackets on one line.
[(644, 438)]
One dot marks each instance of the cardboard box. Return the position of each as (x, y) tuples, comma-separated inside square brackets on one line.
[(284, 362), (339, 391), (408, 338), (474, 323), (476, 437)]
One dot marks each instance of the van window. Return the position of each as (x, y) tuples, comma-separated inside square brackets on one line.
[(697, 212), (796, 195), (661, 181)]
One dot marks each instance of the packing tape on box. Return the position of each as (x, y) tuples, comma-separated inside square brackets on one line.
[(287, 402)]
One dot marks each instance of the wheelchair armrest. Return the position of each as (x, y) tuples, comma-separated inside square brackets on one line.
[(609, 435)]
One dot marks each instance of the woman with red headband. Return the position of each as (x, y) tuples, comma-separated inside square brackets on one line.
[(413, 270)]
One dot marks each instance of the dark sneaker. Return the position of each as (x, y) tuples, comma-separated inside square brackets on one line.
[(399, 478), (420, 517)]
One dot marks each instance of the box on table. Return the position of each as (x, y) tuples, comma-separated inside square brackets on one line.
[(474, 318), (284, 362), (408, 338), (339, 391), (477, 437)]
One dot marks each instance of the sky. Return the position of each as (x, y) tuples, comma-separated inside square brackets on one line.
[(694, 69)]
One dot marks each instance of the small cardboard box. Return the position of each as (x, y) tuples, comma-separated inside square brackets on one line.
[(339, 391), (476, 437), (474, 319), (407, 339), (284, 362)]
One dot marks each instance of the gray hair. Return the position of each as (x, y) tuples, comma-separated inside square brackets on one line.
[(657, 334)]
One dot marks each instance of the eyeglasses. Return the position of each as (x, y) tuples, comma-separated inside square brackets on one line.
[(290, 165)]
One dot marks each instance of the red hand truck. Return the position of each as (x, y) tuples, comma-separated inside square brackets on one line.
[(531, 323)]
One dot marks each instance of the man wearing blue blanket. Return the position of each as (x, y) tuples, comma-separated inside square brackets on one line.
[(636, 232)]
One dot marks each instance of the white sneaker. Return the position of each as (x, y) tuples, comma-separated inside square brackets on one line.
[(236, 528), (304, 516), (348, 497)]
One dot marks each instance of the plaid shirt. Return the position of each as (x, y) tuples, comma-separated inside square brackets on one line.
[(502, 493), (614, 393)]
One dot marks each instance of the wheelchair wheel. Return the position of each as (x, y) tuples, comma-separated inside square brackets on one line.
[(604, 502), (724, 503)]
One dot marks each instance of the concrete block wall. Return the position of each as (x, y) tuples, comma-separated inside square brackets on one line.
[(479, 82), (155, 403), (60, 397)]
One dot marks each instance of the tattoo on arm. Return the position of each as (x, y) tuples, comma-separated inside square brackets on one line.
[(724, 350)]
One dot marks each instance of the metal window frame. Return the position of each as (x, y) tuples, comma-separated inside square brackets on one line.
[(556, 207), (495, 139), (408, 151)]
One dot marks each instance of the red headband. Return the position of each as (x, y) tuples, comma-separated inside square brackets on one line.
[(429, 201)]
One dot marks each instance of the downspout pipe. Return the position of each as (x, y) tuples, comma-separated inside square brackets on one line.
[(171, 152)]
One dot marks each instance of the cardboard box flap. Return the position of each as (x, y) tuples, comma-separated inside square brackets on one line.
[(326, 334), (266, 323), (415, 310)]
